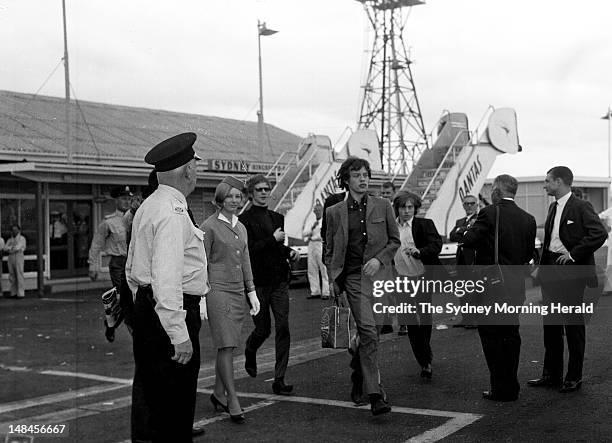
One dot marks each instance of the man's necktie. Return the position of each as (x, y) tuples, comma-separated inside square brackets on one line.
[(550, 222)]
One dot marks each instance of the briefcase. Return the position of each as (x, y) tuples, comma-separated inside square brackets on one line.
[(335, 327)]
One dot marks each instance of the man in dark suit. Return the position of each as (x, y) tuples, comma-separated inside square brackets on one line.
[(269, 262), (465, 256), (573, 232), (499, 334), (361, 240)]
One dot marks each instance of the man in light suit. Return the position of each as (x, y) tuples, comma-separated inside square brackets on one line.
[(499, 334), (573, 232), (361, 240)]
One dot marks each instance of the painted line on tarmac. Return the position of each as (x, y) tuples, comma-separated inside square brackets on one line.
[(220, 417), (304, 350), (62, 417), (207, 377), (57, 398), (121, 381), (458, 420), (69, 300), (461, 420)]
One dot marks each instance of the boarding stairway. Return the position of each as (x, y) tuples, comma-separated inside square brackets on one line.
[(458, 163)]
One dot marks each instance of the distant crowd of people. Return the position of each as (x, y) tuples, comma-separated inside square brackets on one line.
[(172, 274)]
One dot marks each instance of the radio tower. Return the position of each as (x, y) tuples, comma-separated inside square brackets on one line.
[(390, 103)]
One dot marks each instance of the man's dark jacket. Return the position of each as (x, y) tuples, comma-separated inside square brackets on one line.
[(269, 258)]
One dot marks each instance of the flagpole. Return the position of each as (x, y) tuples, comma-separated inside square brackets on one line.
[(260, 117), (67, 84)]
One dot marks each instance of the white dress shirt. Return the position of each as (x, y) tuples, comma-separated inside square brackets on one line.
[(167, 252), (555, 240)]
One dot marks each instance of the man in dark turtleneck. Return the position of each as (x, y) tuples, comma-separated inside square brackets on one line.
[(269, 262)]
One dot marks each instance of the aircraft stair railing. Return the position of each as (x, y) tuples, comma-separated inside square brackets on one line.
[(303, 175), (279, 168), (452, 151)]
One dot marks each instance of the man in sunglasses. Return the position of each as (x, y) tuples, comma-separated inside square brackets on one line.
[(465, 256), (269, 262)]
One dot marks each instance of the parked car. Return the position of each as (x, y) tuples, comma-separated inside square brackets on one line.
[(299, 269), (449, 250)]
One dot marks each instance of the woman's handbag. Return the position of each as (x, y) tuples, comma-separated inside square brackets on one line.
[(335, 326), (492, 275)]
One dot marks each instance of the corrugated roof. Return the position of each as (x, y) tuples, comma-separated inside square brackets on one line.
[(35, 126)]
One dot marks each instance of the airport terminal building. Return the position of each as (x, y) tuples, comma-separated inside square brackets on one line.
[(107, 147)]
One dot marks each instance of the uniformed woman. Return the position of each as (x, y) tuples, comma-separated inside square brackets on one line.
[(230, 276)]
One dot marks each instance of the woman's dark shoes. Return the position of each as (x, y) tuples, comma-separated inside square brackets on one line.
[(546, 382), (217, 404), (570, 386), (250, 363), (427, 372), (280, 388), (238, 418)]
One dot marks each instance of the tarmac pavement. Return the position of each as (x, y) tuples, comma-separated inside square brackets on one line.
[(56, 367)]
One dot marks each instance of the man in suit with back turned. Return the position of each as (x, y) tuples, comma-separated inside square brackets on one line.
[(499, 333), (573, 232)]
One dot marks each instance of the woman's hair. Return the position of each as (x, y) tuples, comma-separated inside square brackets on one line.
[(402, 197)]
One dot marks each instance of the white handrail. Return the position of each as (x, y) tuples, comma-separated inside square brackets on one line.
[(451, 148), (298, 175)]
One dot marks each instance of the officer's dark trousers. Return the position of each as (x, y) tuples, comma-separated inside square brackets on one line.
[(169, 387), (274, 297)]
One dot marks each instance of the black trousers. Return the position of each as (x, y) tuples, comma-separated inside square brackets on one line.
[(168, 387), (558, 286), (276, 298), (419, 330), (501, 345)]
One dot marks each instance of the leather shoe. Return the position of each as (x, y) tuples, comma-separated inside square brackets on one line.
[(197, 430), (427, 372), (489, 395), (280, 388), (250, 363), (378, 405), (570, 386), (545, 381)]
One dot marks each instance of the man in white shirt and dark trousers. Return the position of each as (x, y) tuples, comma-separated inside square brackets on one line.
[(572, 233), (317, 273), (167, 271)]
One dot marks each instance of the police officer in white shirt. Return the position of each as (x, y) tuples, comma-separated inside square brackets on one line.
[(166, 271)]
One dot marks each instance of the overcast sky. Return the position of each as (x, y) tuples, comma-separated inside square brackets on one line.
[(551, 60)]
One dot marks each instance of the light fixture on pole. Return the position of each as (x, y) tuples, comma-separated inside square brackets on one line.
[(608, 117), (261, 30)]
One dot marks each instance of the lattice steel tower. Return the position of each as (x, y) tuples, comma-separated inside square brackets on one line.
[(389, 102)]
